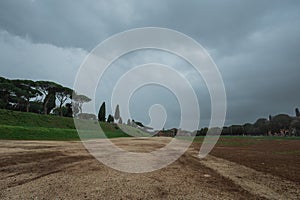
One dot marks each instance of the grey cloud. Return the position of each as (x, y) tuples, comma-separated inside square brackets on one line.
[(20, 58), (64, 23), (256, 45)]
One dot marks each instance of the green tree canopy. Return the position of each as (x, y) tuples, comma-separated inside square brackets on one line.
[(27, 91), (281, 121), (48, 89), (110, 118), (263, 125), (62, 95)]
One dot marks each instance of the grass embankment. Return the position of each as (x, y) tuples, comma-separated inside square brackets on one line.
[(31, 126)]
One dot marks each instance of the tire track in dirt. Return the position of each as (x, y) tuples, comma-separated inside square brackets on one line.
[(67, 171), (255, 182)]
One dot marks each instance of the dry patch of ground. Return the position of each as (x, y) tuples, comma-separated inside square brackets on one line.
[(255, 182), (65, 170), (277, 157)]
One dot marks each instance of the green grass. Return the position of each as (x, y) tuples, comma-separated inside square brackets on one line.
[(228, 141), (30, 126), (292, 152), (41, 133), (262, 137), (239, 141), (200, 138), (37, 133), (15, 118)]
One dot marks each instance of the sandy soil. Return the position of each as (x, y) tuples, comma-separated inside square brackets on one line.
[(65, 170)]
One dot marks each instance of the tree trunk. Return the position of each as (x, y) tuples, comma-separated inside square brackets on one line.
[(27, 107), (45, 105), (60, 109)]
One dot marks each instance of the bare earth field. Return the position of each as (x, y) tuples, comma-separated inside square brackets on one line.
[(65, 170)]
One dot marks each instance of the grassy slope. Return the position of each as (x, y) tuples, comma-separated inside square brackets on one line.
[(14, 118), (30, 126)]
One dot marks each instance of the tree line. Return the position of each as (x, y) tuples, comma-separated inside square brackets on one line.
[(279, 125), (116, 118), (43, 97), (47, 97)]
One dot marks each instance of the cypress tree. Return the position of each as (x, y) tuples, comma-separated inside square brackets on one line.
[(297, 112), (117, 113), (102, 113), (110, 119)]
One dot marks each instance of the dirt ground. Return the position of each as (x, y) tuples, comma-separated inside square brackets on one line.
[(65, 170), (277, 157)]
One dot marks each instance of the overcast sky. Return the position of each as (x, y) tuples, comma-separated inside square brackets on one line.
[(255, 44)]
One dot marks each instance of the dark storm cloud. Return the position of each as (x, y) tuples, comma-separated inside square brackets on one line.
[(65, 23), (256, 44)]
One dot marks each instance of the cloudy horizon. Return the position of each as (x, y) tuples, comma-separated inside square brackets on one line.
[(255, 45)]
